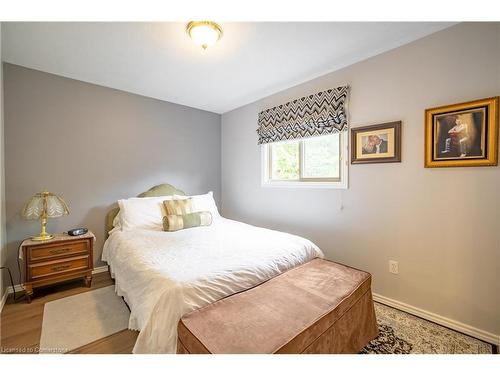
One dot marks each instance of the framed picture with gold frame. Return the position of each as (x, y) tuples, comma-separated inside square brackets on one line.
[(462, 135), (379, 143)]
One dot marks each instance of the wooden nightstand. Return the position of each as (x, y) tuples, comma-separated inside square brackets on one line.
[(58, 259)]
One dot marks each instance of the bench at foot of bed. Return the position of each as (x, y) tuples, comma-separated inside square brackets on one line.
[(319, 307)]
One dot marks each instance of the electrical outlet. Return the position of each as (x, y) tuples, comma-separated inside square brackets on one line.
[(393, 267)]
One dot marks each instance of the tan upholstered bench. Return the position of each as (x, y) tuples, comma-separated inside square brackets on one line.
[(318, 307)]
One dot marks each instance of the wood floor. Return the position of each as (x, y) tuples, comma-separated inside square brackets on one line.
[(21, 323)]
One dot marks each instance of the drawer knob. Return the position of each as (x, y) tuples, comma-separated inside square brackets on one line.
[(60, 251), (60, 268)]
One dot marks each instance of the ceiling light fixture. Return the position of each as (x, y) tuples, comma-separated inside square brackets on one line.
[(204, 33)]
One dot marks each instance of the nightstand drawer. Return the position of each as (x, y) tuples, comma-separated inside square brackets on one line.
[(57, 250), (39, 270)]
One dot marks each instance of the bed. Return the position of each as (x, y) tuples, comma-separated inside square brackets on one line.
[(165, 275)]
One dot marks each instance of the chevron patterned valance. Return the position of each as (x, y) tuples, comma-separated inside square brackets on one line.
[(319, 114)]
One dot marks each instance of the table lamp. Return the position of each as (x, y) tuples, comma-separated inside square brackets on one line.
[(42, 206)]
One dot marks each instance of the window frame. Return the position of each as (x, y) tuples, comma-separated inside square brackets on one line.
[(305, 182)]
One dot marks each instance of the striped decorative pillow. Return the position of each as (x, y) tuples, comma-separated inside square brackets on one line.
[(178, 206), (172, 223)]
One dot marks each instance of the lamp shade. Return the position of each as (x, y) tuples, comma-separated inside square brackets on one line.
[(45, 203)]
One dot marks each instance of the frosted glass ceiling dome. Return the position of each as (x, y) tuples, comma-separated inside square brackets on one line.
[(204, 33)]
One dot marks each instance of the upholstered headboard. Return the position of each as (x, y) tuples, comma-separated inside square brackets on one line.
[(155, 191)]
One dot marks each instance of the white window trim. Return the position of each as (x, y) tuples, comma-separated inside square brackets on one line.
[(344, 170)]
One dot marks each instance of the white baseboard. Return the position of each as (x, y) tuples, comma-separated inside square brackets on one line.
[(449, 323), (100, 270), (4, 299), (19, 287)]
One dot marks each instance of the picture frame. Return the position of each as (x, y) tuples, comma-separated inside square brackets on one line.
[(462, 134), (380, 143)]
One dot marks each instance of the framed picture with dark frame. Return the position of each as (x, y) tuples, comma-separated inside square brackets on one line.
[(462, 135), (379, 143)]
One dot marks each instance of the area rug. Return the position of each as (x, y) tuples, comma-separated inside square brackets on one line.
[(402, 333), (71, 322)]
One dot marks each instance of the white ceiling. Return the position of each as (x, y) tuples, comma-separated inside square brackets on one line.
[(251, 61)]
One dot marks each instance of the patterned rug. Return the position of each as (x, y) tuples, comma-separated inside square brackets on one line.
[(402, 333)]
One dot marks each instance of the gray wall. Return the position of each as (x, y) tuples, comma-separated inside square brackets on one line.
[(442, 225), (3, 252), (94, 145)]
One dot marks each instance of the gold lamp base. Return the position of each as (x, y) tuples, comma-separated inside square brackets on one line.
[(43, 234), (42, 237)]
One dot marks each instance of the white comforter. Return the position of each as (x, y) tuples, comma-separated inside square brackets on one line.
[(164, 275)]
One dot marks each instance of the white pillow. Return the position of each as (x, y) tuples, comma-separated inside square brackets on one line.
[(204, 202), (142, 213)]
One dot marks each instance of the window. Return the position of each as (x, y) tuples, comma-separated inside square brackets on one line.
[(308, 162)]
